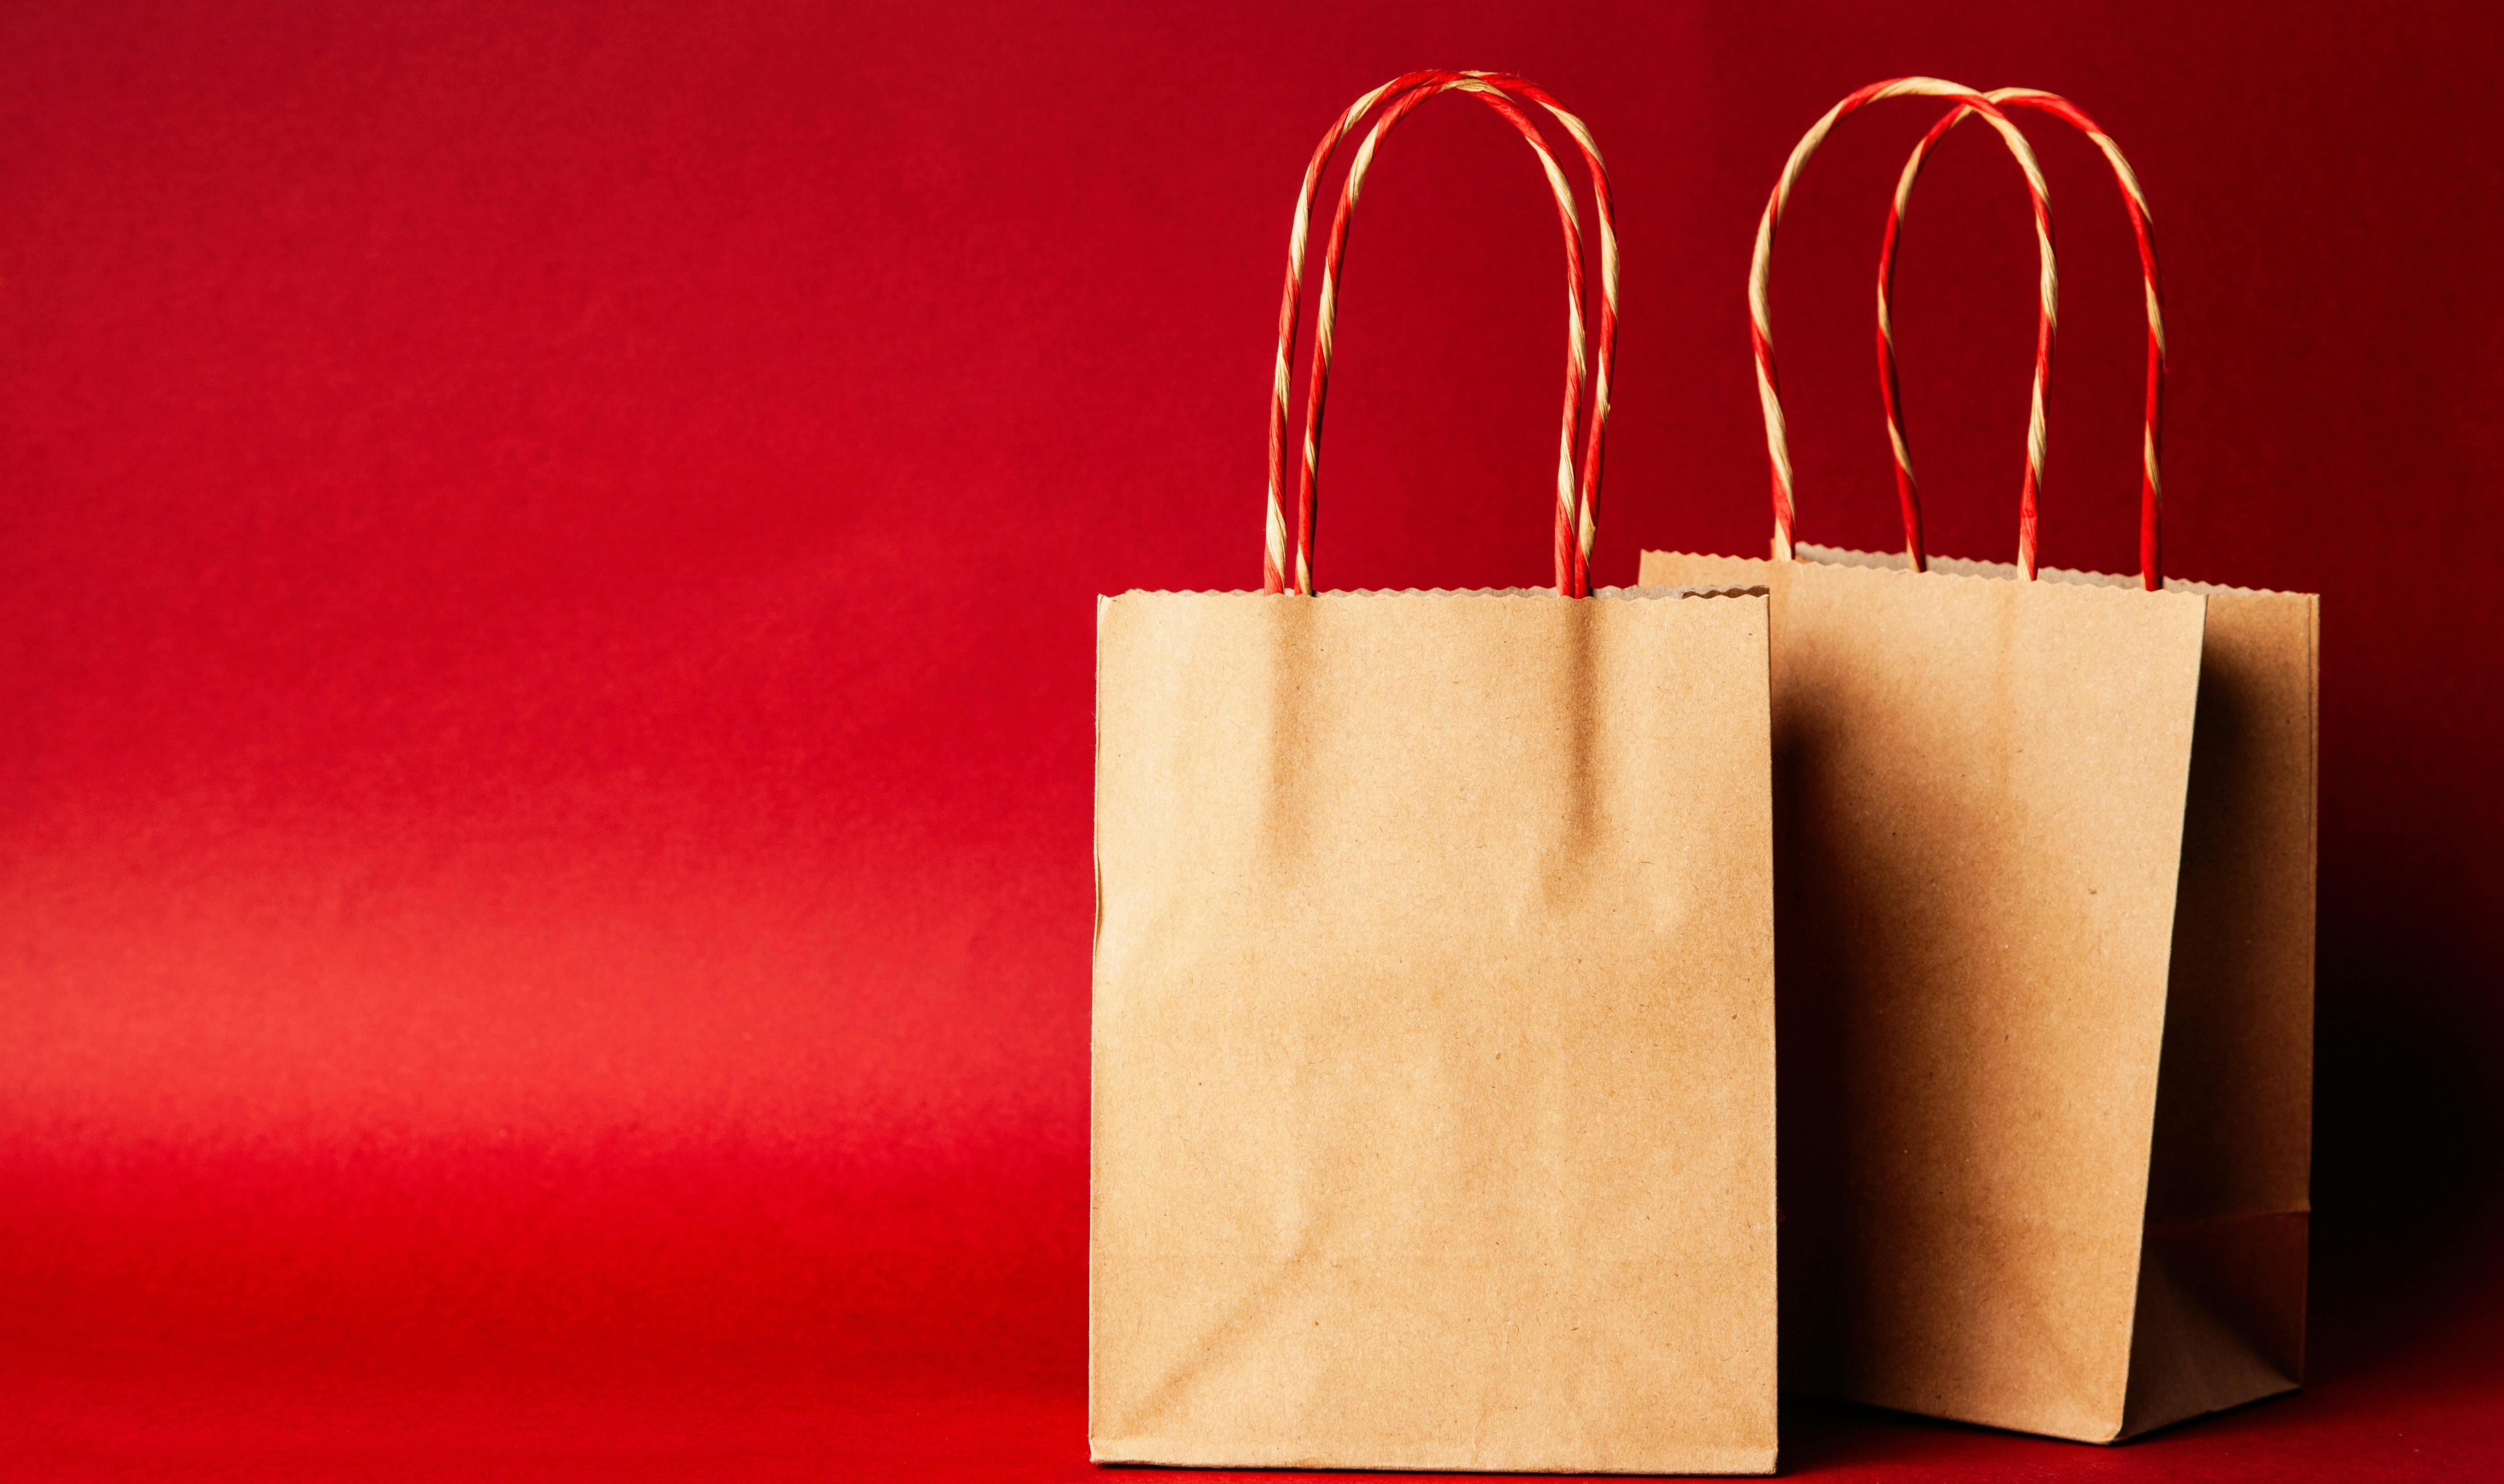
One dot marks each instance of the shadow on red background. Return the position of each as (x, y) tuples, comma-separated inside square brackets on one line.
[(545, 622)]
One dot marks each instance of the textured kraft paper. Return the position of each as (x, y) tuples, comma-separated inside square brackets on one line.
[(1433, 1056), (2046, 946)]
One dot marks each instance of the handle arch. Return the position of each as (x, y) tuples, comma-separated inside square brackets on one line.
[(2151, 493), (1761, 312), (1577, 493)]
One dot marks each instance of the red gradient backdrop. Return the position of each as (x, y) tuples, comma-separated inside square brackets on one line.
[(546, 573)]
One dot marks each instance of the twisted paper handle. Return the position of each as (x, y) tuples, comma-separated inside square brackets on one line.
[(1761, 312), (1577, 500), (2151, 488)]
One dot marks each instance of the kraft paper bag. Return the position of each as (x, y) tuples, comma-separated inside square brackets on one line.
[(1433, 1061), (2045, 884)]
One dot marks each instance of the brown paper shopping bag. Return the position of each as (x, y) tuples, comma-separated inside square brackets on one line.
[(1433, 1034), (2046, 888)]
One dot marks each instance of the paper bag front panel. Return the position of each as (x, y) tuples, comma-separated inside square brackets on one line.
[(1433, 1058)]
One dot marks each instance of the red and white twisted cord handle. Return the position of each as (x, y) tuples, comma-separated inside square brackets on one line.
[(2151, 490), (1318, 384), (1760, 313), (1273, 556), (1576, 502)]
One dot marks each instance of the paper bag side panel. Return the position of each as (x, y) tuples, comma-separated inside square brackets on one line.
[(2215, 1327), (2222, 1296), (1979, 788), (2234, 1117), (1434, 1034)]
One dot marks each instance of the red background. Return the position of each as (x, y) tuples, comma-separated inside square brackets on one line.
[(544, 639)]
